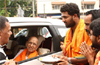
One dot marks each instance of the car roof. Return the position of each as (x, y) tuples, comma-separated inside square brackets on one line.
[(20, 20)]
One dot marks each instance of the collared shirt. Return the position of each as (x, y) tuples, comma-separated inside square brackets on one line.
[(1, 50)]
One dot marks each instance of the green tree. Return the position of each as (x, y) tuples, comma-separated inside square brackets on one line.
[(2, 12), (26, 5), (28, 10), (2, 7), (12, 6)]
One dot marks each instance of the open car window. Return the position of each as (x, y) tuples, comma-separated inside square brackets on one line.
[(20, 33)]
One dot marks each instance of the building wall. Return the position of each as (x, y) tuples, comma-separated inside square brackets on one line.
[(96, 5), (45, 6)]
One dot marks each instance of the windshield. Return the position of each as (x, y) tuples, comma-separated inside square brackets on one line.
[(63, 31)]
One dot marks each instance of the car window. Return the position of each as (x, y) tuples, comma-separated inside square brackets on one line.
[(22, 31), (45, 32), (63, 31), (46, 28)]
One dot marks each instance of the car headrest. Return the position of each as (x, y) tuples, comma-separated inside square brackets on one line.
[(40, 39)]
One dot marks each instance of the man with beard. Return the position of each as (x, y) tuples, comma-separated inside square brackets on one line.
[(95, 38), (90, 16), (74, 36)]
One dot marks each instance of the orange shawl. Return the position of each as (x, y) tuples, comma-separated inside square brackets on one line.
[(22, 56), (72, 45)]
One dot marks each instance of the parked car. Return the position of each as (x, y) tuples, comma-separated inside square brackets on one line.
[(51, 29)]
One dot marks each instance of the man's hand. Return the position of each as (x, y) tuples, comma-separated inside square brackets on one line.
[(88, 52), (61, 57), (61, 62)]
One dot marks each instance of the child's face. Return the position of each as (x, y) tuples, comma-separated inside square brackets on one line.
[(61, 45)]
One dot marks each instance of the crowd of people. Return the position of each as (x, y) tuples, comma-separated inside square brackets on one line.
[(81, 44)]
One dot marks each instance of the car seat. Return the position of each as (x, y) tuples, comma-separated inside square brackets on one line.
[(42, 50), (45, 46)]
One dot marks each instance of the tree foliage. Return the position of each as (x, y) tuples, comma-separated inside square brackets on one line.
[(12, 6), (2, 7)]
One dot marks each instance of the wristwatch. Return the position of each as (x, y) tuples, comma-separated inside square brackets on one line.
[(69, 60)]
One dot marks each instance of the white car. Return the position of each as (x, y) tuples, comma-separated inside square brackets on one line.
[(51, 29)]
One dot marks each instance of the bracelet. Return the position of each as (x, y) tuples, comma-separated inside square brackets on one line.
[(69, 60)]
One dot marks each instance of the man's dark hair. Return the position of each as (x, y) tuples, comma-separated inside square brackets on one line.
[(71, 8), (2, 22), (95, 14), (95, 27)]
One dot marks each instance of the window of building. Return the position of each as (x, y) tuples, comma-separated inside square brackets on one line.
[(56, 6), (88, 6)]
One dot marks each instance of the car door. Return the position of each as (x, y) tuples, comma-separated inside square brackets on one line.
[(41, 27)]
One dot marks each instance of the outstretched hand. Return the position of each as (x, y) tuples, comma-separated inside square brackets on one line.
[(61, 62), (61, 57)]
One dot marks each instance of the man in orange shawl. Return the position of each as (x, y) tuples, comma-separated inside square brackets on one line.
[(95, 38), (30, 51), (74, 36), (88, 51)]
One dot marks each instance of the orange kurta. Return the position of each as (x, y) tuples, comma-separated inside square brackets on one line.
[(72, 45), (22, 56)]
